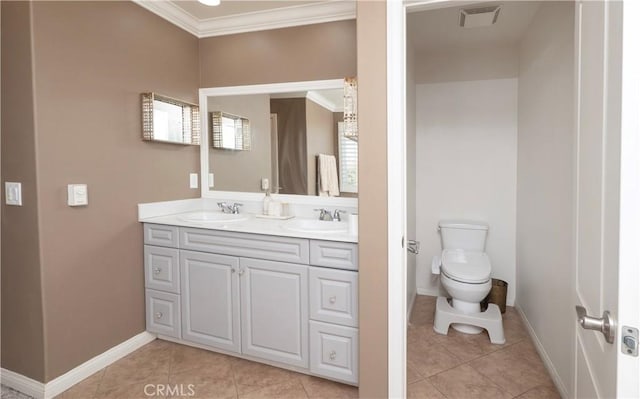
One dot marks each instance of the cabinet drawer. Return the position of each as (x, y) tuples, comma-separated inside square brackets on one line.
[(334, 351), (295, 250), (161, 270), (333, 296), (163, 313), (161, 235), (339, 255)]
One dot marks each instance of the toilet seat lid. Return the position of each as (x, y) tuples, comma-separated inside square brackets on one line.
[(466, 266)]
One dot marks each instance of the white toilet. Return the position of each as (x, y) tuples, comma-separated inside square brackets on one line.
[(465, 272)]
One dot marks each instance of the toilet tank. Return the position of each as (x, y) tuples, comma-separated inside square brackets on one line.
[(463, 234)]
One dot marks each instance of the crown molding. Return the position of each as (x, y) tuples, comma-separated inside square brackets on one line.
[(305, 14), (323, 101)]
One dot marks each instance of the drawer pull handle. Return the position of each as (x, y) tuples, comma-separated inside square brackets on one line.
[(156, 270), (333, 355), (159, 315), (332, 299)]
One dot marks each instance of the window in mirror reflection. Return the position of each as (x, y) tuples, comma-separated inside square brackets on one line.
[(230, 132)]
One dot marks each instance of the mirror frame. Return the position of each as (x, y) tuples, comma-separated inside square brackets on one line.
[(272, 88)]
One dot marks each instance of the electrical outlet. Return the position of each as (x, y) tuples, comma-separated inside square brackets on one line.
[(77, 195), (264, 183), (193, 180), (13, 193)]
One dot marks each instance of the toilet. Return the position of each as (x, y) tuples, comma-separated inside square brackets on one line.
[(465, 273)]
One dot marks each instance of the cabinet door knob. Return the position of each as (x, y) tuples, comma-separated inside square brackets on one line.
[(156, 270), (333, 355), (241, 272), (159, 315), (332, 299), (233, 270)]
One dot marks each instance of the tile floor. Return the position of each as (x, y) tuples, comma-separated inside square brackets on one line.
[(454, 366), (468, 366)]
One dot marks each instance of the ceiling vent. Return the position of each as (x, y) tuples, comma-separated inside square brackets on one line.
[(479, 17)]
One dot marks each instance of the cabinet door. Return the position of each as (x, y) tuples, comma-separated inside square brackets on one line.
[(275, 311), (210, 300)]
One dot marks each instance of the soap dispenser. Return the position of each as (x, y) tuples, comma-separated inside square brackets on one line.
[(266, 201)]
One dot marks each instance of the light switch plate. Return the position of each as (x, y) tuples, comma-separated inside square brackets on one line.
[(193, 180), (264, 183), (13, 193), (210, 180), (77, 195)]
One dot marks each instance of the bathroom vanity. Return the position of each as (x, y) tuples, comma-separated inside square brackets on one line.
[(282, 298)]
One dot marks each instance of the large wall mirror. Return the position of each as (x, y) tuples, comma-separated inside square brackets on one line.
[(297, 141)]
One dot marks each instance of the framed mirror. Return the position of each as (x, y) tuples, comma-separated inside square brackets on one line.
[(230, 132), (297, 145), (169, 120)]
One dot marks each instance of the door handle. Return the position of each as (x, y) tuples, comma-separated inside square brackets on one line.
[(606, 324)]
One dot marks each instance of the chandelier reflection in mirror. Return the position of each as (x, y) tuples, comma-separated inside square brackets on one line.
[(351, 108)]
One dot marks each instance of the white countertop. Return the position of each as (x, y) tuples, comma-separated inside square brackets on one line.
[(252, 225)]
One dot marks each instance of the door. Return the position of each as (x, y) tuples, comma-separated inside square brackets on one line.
[(275, 318), (598, 237), (210, 300)]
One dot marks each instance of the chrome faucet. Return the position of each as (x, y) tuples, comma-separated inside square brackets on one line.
[(336, 214), (226, 208), (324, 214)]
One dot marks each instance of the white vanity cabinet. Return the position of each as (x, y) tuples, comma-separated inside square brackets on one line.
[(285, 300)]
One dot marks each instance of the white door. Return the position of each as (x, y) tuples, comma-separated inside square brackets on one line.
[(275, 311), (598, 260), (210, 300)]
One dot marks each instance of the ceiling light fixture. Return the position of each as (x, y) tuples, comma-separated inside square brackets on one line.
[(210, 2)]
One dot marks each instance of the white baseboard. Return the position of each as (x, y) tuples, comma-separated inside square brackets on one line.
[(22, 384), (60, 384), (543, 354), (427, 291)]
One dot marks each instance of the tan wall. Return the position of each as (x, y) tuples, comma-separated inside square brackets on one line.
[(242, 170), (311, 52), (320, 140), (545, 181), (372, 207), (22, 324), (93, 59)]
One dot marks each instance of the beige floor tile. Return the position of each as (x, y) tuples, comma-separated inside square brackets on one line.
[(464, 382), (416, 334), (289, 390), (516, 369), (466, 346), (428, 358), (86, 389), (324, 389), (149, 364), (185, 358), (412, 374), (514, 329), (423, 390), (251, 376), (205, 382), (541, 392)]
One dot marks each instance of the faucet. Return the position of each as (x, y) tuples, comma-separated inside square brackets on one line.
[(336, 214), (324, 214), (226, 208)]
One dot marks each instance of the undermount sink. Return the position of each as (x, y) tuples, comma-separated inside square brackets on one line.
[(315, 226), (211, 217)]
